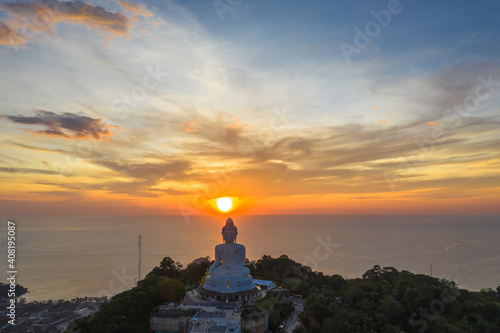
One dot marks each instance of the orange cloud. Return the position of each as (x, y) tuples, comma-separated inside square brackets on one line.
[(137, 9), (27, 19), (9, 36), (375, 107), (188, 127), (237, 123), (433, 122)]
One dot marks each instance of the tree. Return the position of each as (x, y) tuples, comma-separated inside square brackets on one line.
[(392, 308), (168, 290), (373, 273), (168, 268)]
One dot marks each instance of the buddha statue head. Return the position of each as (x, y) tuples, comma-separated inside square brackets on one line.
[(229, 231)]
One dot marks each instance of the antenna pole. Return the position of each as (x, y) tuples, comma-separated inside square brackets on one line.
[(139, 263)]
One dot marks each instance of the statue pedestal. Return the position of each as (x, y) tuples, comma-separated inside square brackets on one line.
[(228, 284), (229, 288)]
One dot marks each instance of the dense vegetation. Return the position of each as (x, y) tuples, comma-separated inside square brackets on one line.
[(297, 278), (383, 300), (130, 310), (386, 300)]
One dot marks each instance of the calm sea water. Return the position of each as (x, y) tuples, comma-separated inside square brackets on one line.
[(64, 257)]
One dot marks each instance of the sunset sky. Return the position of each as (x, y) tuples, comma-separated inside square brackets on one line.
[(294, 107)]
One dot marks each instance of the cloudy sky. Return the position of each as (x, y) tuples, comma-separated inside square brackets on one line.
[(156, 107)]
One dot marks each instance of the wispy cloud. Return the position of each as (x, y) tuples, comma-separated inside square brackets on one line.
[(208, 123), (10, 36), (148, 171), (189, 127), (81, 127), (27, 170), (135, 8), (56, 193), (28, 19)]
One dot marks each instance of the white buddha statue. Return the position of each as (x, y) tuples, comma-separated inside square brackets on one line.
[(228, 274), (229, 256)]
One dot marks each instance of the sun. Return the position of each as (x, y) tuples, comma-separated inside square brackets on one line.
[(224, 204)]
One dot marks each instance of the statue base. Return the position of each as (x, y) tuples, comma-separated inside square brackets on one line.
[(228, 284), (229, 288)]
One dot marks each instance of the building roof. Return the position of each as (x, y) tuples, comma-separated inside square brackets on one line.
[(200, 260), (262, 282)]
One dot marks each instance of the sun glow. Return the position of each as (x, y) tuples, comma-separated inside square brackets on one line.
[(224, 204)]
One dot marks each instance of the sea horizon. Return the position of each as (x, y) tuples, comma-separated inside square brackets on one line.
[(65, 257)]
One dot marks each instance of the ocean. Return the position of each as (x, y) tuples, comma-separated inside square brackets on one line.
[(67, 257)]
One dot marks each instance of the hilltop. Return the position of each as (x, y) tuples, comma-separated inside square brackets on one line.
[(382, 300)]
